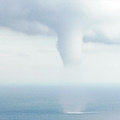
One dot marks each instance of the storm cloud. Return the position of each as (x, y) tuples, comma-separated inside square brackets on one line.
[(73, 22)]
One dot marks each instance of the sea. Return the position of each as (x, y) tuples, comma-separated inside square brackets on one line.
[(44, 102)]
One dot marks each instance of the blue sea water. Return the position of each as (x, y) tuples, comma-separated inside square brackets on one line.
[(59, 103)]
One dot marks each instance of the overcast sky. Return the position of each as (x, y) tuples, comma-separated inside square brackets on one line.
[(29, 35)]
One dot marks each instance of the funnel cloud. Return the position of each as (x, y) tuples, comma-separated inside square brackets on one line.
[(70, 45)]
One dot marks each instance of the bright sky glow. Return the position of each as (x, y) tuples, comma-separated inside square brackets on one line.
[(29, 31)]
